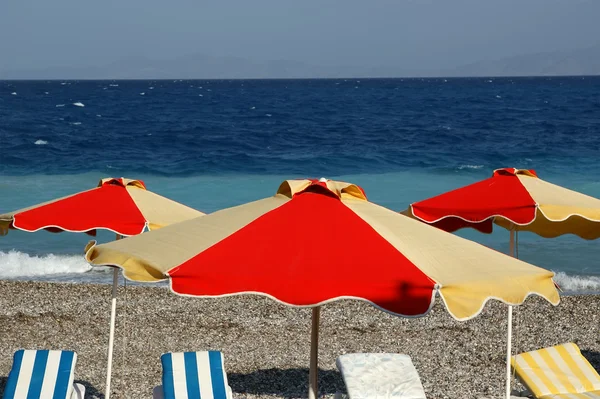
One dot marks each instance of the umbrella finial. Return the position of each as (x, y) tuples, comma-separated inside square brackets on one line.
[(514, 172), (122, 181), (290, 188)]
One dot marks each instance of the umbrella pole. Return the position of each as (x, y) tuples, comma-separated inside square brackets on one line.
[(512, 243), (509, 332), (313, 376), (508, 351), (111, 335)]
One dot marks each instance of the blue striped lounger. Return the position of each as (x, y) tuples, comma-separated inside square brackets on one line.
[(194, 375), (41, 374)]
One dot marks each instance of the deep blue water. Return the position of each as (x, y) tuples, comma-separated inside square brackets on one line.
[(213, 144)]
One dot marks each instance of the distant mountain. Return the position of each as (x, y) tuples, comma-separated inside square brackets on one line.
[(576, 62), (201, 67)]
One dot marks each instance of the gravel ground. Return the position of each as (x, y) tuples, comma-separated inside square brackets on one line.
[(266, 345)]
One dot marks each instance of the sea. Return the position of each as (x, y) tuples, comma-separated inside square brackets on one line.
[(212, 144)]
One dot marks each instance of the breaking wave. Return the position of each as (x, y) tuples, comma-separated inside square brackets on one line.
[(15, 264), (575, 283)]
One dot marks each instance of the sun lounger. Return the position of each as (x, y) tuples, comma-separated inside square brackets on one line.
[(380, 375), (557, 372), (41, 374), (193, 375)]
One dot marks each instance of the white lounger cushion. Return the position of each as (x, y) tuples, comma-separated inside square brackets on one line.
[(380, 375)]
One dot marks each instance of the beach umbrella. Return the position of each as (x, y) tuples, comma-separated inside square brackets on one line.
[(120, 205), (518, 200), (314, 242), (123, 206)]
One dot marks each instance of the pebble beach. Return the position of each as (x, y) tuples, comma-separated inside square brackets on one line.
[(266, 345)]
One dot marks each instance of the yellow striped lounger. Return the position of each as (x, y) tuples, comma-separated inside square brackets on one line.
[(557, 372)]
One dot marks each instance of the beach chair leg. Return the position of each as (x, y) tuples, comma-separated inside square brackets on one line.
[(78, 391), (157, 392)]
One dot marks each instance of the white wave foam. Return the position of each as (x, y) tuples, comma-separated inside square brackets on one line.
[(40, 142), (75, 123), (113, 85), (78, 104), (575, 283), (59, 105), (18, 264), (470, 167)]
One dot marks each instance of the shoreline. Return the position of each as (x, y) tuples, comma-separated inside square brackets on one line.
[(266, 345), (107, 281)]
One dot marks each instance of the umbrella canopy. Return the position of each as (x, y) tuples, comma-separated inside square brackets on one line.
[(121, 205), (319, 241), (516, 199)]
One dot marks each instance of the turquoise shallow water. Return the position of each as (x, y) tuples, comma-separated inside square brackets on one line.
[(214, 144), (27, 255)]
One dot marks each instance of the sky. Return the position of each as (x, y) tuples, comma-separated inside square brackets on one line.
[(413, 34)]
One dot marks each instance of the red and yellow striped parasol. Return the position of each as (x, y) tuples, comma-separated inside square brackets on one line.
[(319, 241)]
